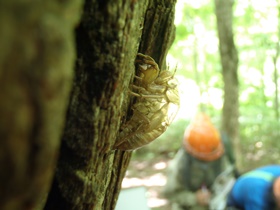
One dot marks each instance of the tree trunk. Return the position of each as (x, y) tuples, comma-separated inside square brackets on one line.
[(275, 73), (229, 60), (89, 172), (36, 70)]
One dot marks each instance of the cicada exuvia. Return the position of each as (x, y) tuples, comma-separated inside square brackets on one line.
[(155, 108)]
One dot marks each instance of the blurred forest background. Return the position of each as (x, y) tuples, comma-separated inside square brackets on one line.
[(195, 53)]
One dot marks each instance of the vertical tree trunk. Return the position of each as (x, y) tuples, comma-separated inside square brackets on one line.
[(275, 73), (229, 60), (275, 79), (36, 70), (89, 172)]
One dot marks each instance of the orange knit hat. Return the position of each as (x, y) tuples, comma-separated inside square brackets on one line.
[(202, 140)]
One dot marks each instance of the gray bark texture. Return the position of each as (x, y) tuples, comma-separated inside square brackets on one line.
[(111, 33), (229, 60), (36, 69)]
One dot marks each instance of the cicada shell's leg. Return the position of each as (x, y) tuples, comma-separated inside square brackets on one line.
[(144, 93), (145, 96), (139, 78)]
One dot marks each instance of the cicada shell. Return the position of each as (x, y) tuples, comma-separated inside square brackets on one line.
[(155, 108)]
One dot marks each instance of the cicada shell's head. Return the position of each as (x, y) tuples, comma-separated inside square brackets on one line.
[(148, 69), (148, 73)]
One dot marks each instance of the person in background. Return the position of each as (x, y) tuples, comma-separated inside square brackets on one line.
[(203, 157), (258, 189)]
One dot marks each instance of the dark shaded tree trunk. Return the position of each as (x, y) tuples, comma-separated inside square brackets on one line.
[(89, 172), (37, 59), (36, 70), (229, 60)]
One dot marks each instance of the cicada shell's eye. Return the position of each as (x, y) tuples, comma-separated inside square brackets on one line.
[(144, 67)]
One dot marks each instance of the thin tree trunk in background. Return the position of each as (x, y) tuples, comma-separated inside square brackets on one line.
[(262, 86), (89, 172), (275, 79), (275, 73), (36, 70), (229, 60), (196, 74)]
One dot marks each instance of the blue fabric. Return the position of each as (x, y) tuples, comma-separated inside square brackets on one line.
[(253, 190)]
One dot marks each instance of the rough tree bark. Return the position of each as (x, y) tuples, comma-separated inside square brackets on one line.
[(229, 60), (36, 70), (89, 172)]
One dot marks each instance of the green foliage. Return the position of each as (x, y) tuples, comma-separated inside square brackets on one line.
[(195, 51)]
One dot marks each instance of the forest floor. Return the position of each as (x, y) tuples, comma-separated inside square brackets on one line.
[(151, 174)]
